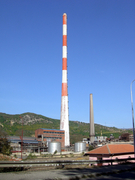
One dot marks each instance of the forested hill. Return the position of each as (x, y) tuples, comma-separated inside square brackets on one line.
[(12, 124)]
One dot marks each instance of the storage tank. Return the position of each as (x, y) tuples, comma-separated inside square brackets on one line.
[(80, 146), (54, 146)]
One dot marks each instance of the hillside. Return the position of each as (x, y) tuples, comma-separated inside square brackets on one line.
[(12, 124)]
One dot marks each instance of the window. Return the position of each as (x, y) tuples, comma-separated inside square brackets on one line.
[(52, 137), (53, 132)]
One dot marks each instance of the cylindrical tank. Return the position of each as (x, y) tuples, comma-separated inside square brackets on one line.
[(80, 146), (54, 146)]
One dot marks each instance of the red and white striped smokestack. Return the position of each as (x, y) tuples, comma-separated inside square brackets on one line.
[(64, 121)]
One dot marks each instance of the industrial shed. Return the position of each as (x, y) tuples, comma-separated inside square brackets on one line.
[(29, 143)]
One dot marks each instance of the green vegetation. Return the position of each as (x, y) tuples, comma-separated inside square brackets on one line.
[(90, 148), (12, 125), (4, 144), (55, 152), (31, 156), (71, 155)]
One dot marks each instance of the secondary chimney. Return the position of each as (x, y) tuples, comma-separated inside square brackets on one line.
[(92, 129)]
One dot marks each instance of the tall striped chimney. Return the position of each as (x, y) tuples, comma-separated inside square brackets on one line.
[(64, 120), (92, 128)]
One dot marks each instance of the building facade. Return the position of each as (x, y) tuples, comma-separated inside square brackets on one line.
[(48, 135), (101, 138), (126, 137)]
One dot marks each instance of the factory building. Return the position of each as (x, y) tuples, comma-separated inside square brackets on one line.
[(126, 137), (101, 138), (30, 144), (48, 135)]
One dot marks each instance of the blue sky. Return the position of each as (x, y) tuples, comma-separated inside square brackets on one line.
[(101, 58)]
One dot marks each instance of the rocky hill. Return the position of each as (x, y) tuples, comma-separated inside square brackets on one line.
[(12, 124)]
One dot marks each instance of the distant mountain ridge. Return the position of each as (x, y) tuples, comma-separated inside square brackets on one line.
[(12, 124)]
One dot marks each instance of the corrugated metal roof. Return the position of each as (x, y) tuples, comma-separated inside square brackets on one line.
[(24, 141), (30, 142), (17, 137)]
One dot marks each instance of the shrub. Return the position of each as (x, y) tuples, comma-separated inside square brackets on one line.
[(30, 156), (55, 152), (90, 148), (5, 147), (71, 155)]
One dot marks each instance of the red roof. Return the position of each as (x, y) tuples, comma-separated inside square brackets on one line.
[(112, 150)]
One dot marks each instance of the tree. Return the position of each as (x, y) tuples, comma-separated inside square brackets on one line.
[(90, 148), (5, 147)]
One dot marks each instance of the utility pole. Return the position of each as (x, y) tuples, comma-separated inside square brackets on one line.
[(132, 114), (21, 137)]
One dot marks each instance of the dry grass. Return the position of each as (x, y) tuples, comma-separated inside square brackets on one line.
[(8, 158)]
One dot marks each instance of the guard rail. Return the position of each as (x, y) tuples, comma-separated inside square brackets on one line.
[(58, 163)]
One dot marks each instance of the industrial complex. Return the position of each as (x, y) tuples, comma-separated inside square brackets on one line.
[(52, 140)]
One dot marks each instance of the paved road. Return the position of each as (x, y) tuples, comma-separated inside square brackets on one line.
[(124, 175), (106, 172)]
